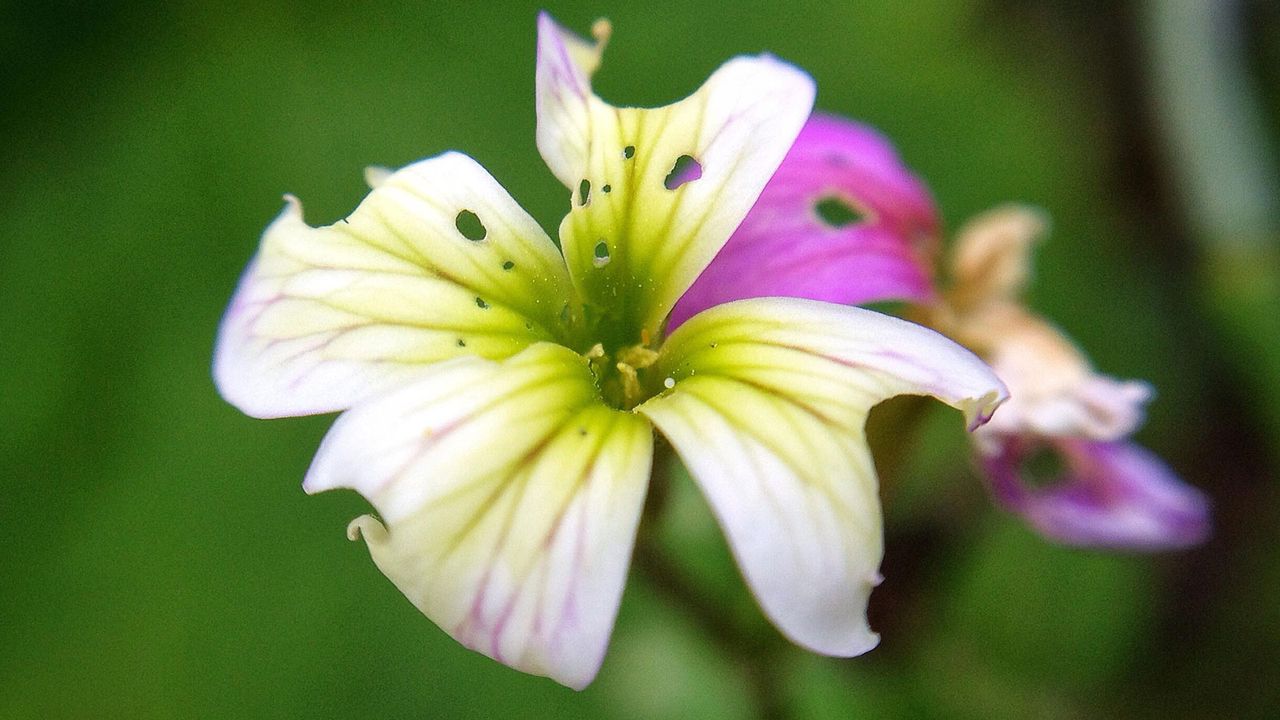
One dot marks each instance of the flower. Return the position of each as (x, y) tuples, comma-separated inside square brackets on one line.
[(500, 399), (1101, 490), (1108, 492)]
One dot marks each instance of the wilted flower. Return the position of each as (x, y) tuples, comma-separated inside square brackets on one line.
[(501, 398), (1099, 489), (1097, 493), (1103, 490)]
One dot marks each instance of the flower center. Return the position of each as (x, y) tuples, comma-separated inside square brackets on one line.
[(624, 376)]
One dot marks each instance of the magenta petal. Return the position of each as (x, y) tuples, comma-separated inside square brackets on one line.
[(785, 248), (1110, 494)]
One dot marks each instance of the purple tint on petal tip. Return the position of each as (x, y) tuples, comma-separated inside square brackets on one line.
[(1109, 494), (558, 63), (785, 247)]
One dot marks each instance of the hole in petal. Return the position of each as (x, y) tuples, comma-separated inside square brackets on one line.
[(480, 303), (606, 188), (1043, 467), (685, 170), (584, 192), (835, 212), (629, 152), (470, 226), (601, 254), (507, 265)]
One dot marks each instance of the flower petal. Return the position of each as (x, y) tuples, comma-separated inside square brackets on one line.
[(1110, 494), (767, 403), (785, 247), (992, 256), (1053, 388), (326, 316), (511, 497), (641, 227)]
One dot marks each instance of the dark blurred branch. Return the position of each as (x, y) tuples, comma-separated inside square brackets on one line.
[(1207, 118), (1168, 134), (1209, 122)]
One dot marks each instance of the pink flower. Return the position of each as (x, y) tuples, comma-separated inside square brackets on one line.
[(1113, 493), (876, 242), (1110, 492), (1107, 494)]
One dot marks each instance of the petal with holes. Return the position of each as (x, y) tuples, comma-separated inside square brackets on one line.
[(883, 246), (657, 192), (510, 497), (438, 261), (767, 403)]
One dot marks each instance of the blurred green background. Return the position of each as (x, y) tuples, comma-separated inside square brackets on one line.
[(160, 560)]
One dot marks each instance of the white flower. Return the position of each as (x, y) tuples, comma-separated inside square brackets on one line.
[(500, 398)]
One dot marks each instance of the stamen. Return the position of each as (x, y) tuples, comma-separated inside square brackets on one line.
[(601, 29), (638, 356), (630, 383)]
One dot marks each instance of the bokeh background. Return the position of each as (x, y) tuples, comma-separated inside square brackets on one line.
[(158, 558)]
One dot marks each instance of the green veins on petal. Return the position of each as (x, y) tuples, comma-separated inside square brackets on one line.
[(511, 497), (655, 193), (501, 396)]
